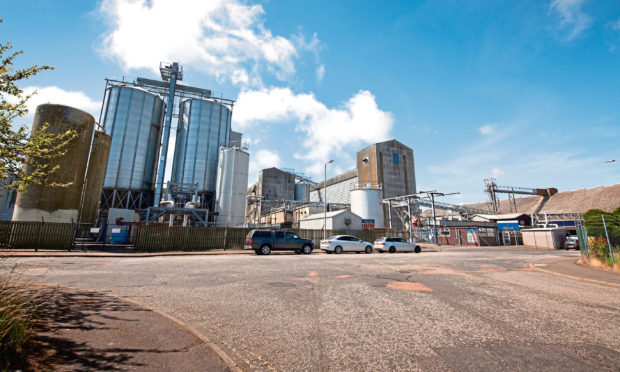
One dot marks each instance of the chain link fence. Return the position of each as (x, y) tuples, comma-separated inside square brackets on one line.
[(599, 236)]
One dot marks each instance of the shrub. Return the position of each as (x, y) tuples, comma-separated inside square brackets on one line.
[(20, 308)]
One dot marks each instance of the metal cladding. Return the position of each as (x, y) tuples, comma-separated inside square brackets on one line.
[(59, 204), (368, 204), (95, 174), (204, 127), (133, 118), (232, 180)]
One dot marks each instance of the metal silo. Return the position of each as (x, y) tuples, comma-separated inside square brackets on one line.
[(204, 127), (133, 118), (59, 204), (302, 191), (95, 174), (368, 204), (232, 184)]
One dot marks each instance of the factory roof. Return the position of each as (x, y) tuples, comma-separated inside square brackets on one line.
[(606, 198), (339, 178)]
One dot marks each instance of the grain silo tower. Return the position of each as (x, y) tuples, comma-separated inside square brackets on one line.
[(232, 184), (204, 127), (133, 117), (99, 152), (59, 204)]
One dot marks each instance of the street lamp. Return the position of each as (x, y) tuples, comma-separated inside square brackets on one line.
[(325, 201)]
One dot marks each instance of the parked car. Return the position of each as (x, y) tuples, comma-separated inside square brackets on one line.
[(265, 241), (345, 243), (393, 245), (572, 241)]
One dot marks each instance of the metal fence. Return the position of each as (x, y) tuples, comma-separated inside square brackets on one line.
[(36, 235)]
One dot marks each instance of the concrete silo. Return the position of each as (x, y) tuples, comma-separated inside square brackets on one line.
[(133, 117), (368, 204), (232, 184), (204, 127), (59, 204), (99, 152)]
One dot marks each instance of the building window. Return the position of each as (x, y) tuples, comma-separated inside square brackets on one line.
[(444, 232), (395, 156)]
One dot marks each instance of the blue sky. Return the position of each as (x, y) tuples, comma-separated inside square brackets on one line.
[(527, 92)]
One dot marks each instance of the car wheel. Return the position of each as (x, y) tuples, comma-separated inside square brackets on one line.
[(392, 250), (265, 249), (338, 250), (417, 249), (307, 249), (368, 250)]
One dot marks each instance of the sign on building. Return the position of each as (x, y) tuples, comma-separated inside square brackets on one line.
[(368, 224)]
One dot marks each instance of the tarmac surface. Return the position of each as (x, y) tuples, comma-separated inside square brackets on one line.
[(457, 309)]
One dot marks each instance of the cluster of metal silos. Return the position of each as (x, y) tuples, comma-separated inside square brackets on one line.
[(74, 202)]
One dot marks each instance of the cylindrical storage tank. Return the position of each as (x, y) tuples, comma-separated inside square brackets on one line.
[(59, 204), (204, 127), (95, 174), (368, 204), (302, 191), (232, 184), (133, 117)]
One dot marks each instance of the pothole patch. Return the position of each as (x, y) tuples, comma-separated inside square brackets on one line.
[(344, 276), (313, 274), (408, 286)]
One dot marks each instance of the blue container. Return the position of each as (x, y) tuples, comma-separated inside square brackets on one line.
[(119, 237)]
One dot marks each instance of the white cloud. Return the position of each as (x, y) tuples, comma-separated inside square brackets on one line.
[(325, 131), (486, 130), (262, 159), (572, 17), (320, 72), (225, 38), (496, 172), (56, 95)]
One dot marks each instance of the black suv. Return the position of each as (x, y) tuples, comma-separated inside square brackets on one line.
[(265, 241)]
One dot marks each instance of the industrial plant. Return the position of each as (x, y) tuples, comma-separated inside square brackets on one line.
[(117, 166), (116, 169)]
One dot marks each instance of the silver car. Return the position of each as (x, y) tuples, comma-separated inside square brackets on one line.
[(345, 243), (393, 245)]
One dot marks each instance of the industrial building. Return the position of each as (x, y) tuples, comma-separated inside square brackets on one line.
[(336, 220), (385, 166), (138, 115), (276, 194)]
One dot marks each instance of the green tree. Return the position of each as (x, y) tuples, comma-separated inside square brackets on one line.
[(24, 157)]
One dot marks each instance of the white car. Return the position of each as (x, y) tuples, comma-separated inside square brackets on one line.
[(392, 245), (345, 243)]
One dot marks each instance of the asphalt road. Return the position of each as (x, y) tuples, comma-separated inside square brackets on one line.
[(482, 309)]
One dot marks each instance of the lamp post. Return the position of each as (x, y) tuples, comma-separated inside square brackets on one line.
[(325, 201)]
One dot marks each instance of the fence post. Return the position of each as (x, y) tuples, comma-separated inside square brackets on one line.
[(611, 252)]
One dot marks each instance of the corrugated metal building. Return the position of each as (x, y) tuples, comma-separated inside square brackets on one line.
[(336, 220)]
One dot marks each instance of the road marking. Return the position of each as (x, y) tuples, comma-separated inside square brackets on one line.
[(408, 286)]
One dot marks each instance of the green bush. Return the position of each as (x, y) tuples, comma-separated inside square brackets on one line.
[(593, 221)]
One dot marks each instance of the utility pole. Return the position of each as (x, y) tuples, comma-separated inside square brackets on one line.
[(325, 201)]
